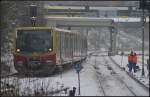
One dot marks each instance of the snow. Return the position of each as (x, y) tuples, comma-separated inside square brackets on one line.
[(91, 80), (68, 79), (134, 85), (137, 75), (133, 37), (8, 60), (97, 79), (129, 42), (111, 82)]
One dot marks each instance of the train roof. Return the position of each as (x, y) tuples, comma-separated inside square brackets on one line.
[(66, 31), (57, 29), (69, 31), (63, 30), (30, 28)]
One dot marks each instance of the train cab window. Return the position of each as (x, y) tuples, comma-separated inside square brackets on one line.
[(29, 41)]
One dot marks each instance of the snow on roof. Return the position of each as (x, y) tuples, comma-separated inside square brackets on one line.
[(68, 31), (63, 30)]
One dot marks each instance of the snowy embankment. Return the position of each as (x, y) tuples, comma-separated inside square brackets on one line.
[(114, 81), (90, 86), (122, 61), (7, 60), (68, 79), (128, 42), (146, 53), (133, 38)]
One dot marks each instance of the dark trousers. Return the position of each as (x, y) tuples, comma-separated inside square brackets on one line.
[(134, 67), (130, 65)]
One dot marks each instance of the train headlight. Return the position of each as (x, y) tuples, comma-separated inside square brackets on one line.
[(19, 63), (50, 49), (18, 50)]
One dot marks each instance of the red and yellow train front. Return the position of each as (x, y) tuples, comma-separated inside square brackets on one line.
[(34, 49)]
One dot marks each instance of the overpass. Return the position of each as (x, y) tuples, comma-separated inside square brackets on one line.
[(79, 21), (84, 8), (116, 19)]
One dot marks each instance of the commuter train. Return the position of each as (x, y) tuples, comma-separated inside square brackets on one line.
[(41, 49)]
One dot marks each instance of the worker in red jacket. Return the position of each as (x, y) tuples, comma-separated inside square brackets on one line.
[(130, 61)]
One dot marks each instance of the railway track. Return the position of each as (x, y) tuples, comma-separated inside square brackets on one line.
[(115, 75), (137, 81), (118, 78), (143, 85), (104, 92), (100, 85)]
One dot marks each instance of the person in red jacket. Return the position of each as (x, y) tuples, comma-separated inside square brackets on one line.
[(130, 61)]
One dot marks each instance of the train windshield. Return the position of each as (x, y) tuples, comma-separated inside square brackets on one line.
[(29, 41)]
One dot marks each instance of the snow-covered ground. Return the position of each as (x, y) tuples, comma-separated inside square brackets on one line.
[(94, 82), (123, 61), (8, 60), (68, 79), (95, 77), (99, 77), (128, 42)]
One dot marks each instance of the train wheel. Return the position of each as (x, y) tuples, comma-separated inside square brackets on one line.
[(45, 71), (60, 68)]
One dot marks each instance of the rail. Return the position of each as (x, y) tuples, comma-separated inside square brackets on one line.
[(143, 85)]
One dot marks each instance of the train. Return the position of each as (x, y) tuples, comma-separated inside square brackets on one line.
[(39, 50)]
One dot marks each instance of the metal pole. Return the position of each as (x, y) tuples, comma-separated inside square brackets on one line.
[(143, 73), (79, 83), (72, 39), (87, 32), (110, 48)]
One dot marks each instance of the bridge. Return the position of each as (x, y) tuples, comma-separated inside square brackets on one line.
[(78, 21)]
